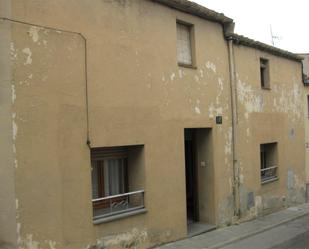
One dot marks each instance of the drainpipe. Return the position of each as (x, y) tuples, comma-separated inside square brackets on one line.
[(234, 127), (305, 77)]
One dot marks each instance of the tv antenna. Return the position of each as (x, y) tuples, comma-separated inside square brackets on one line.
[(273, 37)]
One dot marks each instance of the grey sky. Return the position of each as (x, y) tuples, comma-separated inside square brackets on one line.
[(289, 20)]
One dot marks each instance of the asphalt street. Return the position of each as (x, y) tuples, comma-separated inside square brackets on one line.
[(291, 235), (299, 242)]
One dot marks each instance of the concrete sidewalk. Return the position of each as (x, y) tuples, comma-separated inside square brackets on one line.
[(224, 236)]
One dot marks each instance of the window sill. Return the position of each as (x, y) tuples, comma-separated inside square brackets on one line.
[(187, 66), (97, 221), (266, 88), (270, 180)]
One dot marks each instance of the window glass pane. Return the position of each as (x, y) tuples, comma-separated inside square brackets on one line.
[(184, 44), (262, 77), (114, 176), (106, 178), (264, 71), (121, 176), (94, 175), (269, 161)]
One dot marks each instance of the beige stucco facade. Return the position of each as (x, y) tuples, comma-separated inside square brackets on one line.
[(306, 110), (305, 63), (105, 73), (267, 116)]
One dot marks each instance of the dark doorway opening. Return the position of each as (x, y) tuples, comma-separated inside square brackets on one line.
[(199, 180), (191, 176)]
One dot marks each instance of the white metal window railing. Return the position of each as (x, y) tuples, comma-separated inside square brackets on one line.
[(117, 204), (269, 173)]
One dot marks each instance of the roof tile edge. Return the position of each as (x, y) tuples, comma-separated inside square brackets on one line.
[(196, 9), (228, 24), (242, 40)]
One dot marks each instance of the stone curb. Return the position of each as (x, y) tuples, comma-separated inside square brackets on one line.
[(248, 235)]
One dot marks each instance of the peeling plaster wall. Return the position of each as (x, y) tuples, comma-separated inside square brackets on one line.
[(5, 8), (48, 127), (265, 116), (137, 95), (7, 189), (306, 116), (306, 63)]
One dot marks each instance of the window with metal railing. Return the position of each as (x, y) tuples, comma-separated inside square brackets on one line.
[(116, 181), (269, 162)]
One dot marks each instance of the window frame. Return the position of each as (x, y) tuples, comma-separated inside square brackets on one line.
[(191, 30), (101, 176), (264, 74), (107, 154), (109, 207), (308, 106), (264, 160)]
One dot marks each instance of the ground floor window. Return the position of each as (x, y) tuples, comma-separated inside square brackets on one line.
[(109, 174), (116, 173), (269, 162)]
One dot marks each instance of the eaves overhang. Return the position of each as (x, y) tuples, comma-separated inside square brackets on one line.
[(228, 24), (245, 41), (196, 10)]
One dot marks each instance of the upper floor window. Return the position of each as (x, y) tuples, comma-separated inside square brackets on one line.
[(184, 44), (264, 73)]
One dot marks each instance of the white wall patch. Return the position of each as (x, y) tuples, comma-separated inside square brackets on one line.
[(13, 94), (34, 33), (14, 126), (197, 110), (52, 244), (211, 66), (28, 52)]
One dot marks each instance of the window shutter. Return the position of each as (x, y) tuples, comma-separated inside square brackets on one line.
[(184, 54), (108, 153)]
